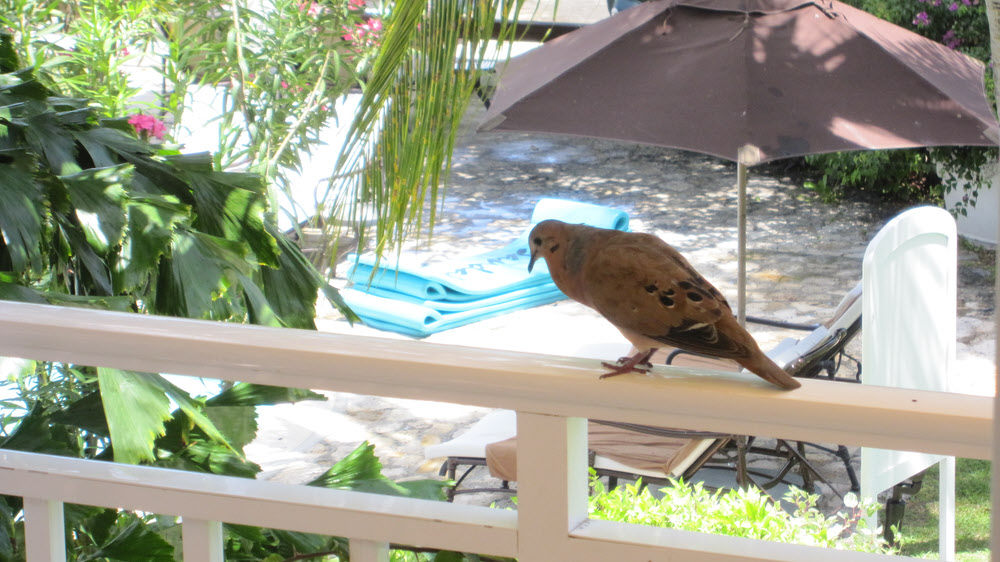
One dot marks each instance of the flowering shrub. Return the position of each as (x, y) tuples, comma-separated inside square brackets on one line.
[(281, 67), (147, 126), (912, 174), (958, 24)]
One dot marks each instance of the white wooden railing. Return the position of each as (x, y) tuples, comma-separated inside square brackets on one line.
[(552, 395)]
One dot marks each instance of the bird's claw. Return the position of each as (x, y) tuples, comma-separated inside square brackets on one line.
[(629, 364), (622, 368)]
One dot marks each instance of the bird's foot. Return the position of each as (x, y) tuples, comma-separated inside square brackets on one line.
[(638, 363)]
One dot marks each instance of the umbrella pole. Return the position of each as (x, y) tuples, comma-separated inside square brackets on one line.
[(741, 245)]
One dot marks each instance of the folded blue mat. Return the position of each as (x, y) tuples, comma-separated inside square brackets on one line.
[(419, 300), (498, 271), (422, 319)]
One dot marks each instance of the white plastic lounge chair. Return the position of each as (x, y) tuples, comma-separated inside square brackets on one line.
[(910, 275)]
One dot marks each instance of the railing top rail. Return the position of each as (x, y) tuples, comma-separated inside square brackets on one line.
[(949, 424)]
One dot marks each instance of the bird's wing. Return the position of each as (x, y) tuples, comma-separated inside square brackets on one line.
[(644, 286)]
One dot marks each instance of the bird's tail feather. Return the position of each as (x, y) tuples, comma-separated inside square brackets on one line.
[(768, 370)]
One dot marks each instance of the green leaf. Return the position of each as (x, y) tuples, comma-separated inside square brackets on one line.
[(98, 197), (86, 413), (35, 434), (360, 465), (92, 264), (96, 522), (196, 272), (192, 408), (237, 423), (249, 394), (362, 471), (8, 63), (23, 83), (20, 293), (143, 398), (118, 304), (302, 542), (152, 221), (291, 289), (196, 162), (51, 139), (197, 455), (136, 408), (20, 219), (225, 207), (333, 295), (136, 543), (258, 308), (92, 141)]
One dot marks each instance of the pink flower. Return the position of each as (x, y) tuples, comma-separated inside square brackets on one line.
[(953, 7), (356, 4), (921, 19), (310, 8), (365, 33), (284, 84), (147, 126), (951, 40)]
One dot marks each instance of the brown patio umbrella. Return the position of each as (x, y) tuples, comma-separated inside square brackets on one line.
[(747, 80)]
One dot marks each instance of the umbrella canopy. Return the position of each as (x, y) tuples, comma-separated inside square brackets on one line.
[(749, 81), (768, 79)]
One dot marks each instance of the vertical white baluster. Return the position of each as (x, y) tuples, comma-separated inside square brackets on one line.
[(552, 484), (995, 480), (44, 530), (946, 509), (203, 540), (368, 551)]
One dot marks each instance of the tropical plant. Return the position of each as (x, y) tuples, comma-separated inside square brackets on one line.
[(279, 66), (280, 69), (397, 153), (748, 513), (88, 47), (59, 424)]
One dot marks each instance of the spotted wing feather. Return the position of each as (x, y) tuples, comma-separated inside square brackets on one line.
[(641, 284)]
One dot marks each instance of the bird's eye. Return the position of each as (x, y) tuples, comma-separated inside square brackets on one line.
[(537, 241)]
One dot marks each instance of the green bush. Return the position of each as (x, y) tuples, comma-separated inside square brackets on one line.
[(912, 174), (740, 513), (893, 175)]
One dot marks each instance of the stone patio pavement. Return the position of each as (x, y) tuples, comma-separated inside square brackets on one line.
[(803, 256)]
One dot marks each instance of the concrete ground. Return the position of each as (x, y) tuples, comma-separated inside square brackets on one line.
[(803, 256)]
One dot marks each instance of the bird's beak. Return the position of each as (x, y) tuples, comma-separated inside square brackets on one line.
[(531, 262)]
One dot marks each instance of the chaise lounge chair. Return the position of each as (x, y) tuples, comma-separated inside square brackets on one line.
[(908, 266), (627, 451)]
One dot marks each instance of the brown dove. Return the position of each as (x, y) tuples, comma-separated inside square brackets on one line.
[(650, 293)]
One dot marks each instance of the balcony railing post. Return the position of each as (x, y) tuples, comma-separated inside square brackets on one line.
[(203, 541), (552, 484), (368, 551), (44, 530)]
